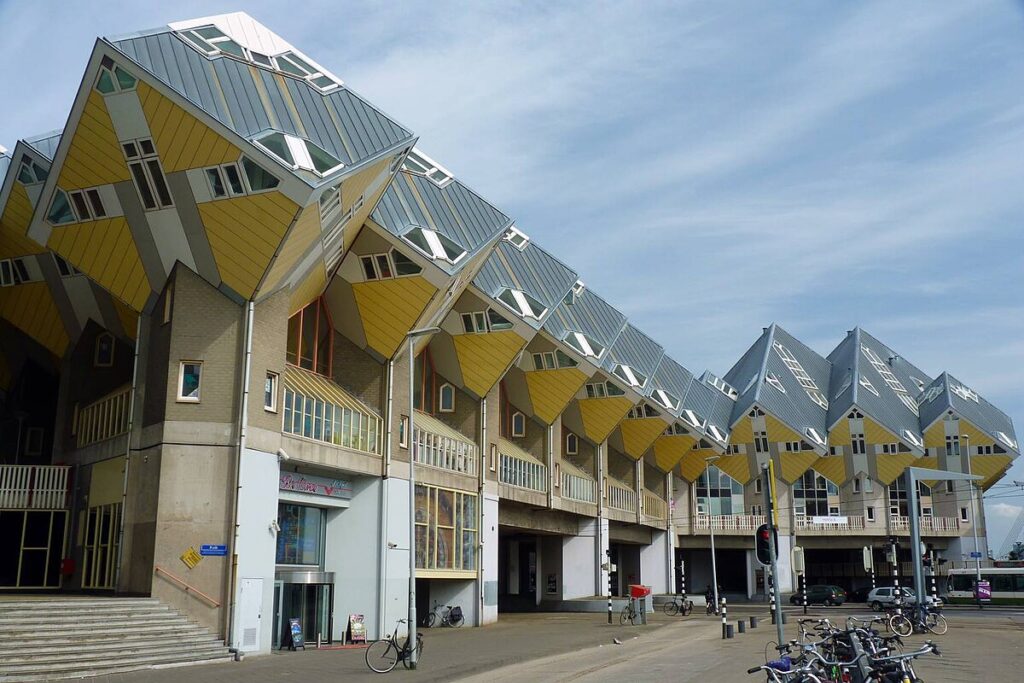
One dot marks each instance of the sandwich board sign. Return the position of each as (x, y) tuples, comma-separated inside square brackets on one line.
[(295, 634)]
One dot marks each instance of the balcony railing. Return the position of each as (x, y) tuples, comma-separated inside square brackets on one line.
[(575, 487), (842, 525), (33, 487), (621, 497), (654, 506), (104, 419), (728, 522), (929, 525), (441, 447), (523, 473)]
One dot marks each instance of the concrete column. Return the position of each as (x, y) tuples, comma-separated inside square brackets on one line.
[(638, 482), (654, 572), (489, 559), (581, 566)]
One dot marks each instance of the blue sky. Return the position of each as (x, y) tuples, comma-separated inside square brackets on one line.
[(707, 167)]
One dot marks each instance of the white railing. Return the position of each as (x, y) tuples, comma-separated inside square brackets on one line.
[(621, 498), (728, 522), (104, 419), (654, 506), (928, 524), (524, 474), (444, 452), (33, 487), (830, 524), (578, 488)]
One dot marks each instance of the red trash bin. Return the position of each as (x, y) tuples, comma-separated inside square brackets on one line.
[(638, 591)]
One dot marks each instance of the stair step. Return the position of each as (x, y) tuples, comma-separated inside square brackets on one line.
[(27, 628), (86, 658), (113, 643), (92, 616), (121, 665), (72, 603)]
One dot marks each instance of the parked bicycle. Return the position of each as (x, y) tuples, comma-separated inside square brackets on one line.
[(450, 616), (629, 614), (906, 619), (384, 655), (679, 605)]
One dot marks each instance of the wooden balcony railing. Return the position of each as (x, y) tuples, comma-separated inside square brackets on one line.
[(727, 523), (33, 487), (575, 487), (842, 525), (655, 507), (104, 419), (621, 497)]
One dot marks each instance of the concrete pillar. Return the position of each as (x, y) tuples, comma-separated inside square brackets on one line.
[(653, 570), (489, 559), (580, 563)]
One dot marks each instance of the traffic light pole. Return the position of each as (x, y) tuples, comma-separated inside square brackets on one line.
[(769, 505)]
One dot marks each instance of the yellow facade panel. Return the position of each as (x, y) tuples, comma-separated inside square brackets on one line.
[(876, 433), (182, 141), (935, 436), (778, 431), (692, 465), (989, 467), (551, 391), (310, 288), (31, 309), (736, 466), (840, 433), (303, 235), (94, 156), (832, 468), (600, 415), (793, 465), (742, 431), (975, 436), (891, 466), (128, 318), (484, 358), (639, 435), (929, 462), (389, 308), (14, 223), (670, 449)]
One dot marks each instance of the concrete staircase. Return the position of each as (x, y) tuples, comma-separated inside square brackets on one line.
[(51, 638)]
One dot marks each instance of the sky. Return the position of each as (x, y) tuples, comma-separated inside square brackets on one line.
[(709, 168)]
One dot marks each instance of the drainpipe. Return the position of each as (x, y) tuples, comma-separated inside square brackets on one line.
[(551, 466), (602, 557), (482, 465), (243, 428), (382, 519), (127, 452)]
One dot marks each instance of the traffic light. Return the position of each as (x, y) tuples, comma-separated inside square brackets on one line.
[(762, 549)]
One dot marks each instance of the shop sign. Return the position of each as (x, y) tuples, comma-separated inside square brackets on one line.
[(830, 520), (213, 549), (356, 628), (318, 486), (984, 590)]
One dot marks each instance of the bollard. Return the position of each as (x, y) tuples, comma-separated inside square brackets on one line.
[(728, 631), (785, 619), (741, 626), (725, 618), (753, 622)]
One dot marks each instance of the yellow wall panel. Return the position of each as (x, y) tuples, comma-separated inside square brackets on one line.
[(876, 433), (891, 466), (483, 358), (639, 435), (310, 288), (128, 318), (94, 156), (303, 235), (832, 468), (181, 140), (793, 465), (31, 309), (669, 450), (105, 251), (106, 482), (930, 463), (692, 465), (389, 308), (600, 415), (742, 431), (840, 433), (778, 431), (736, 466), (14, 223), (991, 467), (551, 391), (935, 436), (975, 436), (244, 234)]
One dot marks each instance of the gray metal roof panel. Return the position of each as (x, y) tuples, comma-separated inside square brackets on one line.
[(844, 360), (673, 378), (887, 408), (749, 366), (701, 399), (981, 413), (635, 349), (938, 404), (795, 407), (45, 144), (589, 314), (532, 270), (5, 163)]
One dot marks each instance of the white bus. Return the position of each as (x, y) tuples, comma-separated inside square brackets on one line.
[(1007, 584)]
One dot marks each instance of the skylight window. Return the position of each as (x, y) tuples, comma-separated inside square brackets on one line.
[(722, 385), (435, 245), (964, 392), (113, 79), (291, 63), (297, 153), (750, 383), (866, 383), (805, 380), (1002, 436), (847, 381), (665, 399), (911, 438), (583, 344), (522, 303), (930, 395), (773, 379), (31, 173), (211, 40), (910, 403), (629, 375), (573, 294), (814, 436), (693, 418), (716, 433), (419, 163), (919, 382), (883, 369), (518, 239)]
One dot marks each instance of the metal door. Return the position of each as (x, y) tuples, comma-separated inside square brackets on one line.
[(250, 608)]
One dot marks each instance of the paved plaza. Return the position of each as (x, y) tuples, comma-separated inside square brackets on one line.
[(985, 646)]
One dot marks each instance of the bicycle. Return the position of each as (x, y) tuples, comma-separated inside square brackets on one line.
[(452, 616), (679, 604), (384, 655), (905, 620), (712, 608), (629, 613)]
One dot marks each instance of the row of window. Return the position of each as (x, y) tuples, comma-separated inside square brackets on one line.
[(15, 271), (388, 265), (804, 379), (552, 360), (602, 390), (446, 529), (314, 418)]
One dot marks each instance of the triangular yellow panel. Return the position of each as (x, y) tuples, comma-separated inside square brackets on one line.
[(181, 140), (298, 242), (30, 308), (484, 358), (128, 318), (991, 467), (669, 450), (692, 464), (742, 431), (840, 433), (105, 251), (244, 234), (892, 466), (736, 466), (551, 391), (600, 415), (929, 463), (935, 436), (94, 156), (777, 431), (975, 436), (875, 433), (389, 309), (795, 464), (310, 288), (14, 222), (832, 468), (639, 435)]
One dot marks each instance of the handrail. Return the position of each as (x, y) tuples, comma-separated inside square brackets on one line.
[(188, 589)]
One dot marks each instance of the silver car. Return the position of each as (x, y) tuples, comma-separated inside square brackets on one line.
[(884, 596)]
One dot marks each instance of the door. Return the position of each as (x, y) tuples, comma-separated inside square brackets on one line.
[(99, 558), (278, 610), (250, 608)]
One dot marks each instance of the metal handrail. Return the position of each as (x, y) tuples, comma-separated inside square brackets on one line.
[(188, 589)]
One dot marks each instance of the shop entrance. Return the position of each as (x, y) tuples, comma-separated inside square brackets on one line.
[(308, 597), (517, 572)]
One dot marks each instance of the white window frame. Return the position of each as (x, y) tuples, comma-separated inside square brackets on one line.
[(91, 209), (858, 444), (912, 438), (221, 171), (521, 432), (761, 442), (96, 350), (856, 484), (723, 386), (715, 433), (964, 515), (428, 168), (870, 513), (693, 419), (437, 250), (572, 444), (273, 377), (181, 379), (866, 383), (815, 436), (627, 375), (524, 309), (143, 159), (585, 345), (519, 239), (666, 399), (440, 398), (773, 379), (596, 390)]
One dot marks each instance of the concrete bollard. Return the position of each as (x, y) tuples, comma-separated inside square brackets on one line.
[(725, 618), (728, 631), (753, 622), (741, 626)]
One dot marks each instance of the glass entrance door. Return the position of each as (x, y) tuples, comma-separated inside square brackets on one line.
[(312, 604), (99, 558)]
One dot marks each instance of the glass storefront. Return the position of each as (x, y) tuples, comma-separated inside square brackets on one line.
[(303, 590), (446, 533), (300, 540)]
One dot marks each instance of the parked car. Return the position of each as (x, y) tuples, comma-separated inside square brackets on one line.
[(820, 595), (884, 596), (859, 595)]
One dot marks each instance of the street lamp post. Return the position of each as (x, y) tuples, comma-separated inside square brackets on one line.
[(711, 528), (966, 450), (411, 338)]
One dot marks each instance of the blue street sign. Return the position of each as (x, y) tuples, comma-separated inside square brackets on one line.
[(211, 549), (975, 556)]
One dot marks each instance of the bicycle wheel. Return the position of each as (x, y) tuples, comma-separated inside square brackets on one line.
[(627, 614), (936, 623), (900, 625), (431, 620), (671, 608), (382, 656), (406, 661), (687, 608), (456, 622)]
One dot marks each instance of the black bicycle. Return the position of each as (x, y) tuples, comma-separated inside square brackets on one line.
[(678, 605), (384, 655), (450, 616)]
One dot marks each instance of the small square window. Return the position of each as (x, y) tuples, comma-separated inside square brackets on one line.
[(856, 485), (446, 398), (403, 430), (757, 485), (963, 514), (189, 379), (871, 514), (572, 444), (104, 353), (270, 392), (518, 424)]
